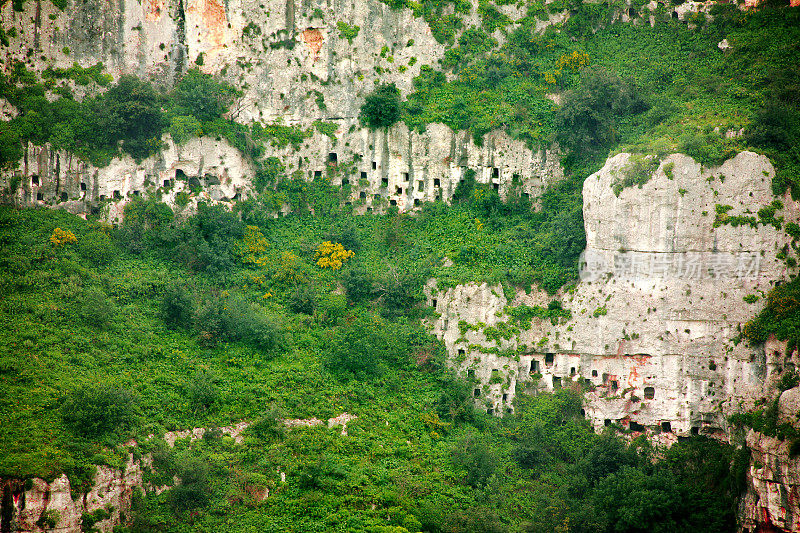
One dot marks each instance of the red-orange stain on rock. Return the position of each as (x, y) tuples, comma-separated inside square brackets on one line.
[(213, 17), (312, 37), (633, 376), (153, 9)]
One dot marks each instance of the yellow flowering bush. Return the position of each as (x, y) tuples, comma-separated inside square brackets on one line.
[(286, 268), (332, 255), (574, 61), (252, 246), (60, 237)]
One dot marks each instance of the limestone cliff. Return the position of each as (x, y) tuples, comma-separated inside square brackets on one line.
[(377, 168), (654, 321)]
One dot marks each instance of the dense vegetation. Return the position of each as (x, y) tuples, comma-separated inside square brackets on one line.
[(652, 90), (168, 324)]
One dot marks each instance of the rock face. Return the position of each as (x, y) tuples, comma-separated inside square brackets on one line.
[(296, 63), (376, 169), (654, 318), (37, 505), (216, 170)]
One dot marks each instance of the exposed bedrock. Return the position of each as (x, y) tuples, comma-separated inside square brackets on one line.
[(658, 309)]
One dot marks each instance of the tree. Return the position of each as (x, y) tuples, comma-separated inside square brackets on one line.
[(357, 350), (381, 108), (96, 410), (135, 110), (201, 96), (588, 117)]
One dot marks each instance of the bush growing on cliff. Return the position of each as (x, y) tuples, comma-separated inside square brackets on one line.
[(381, 108), (200, 95)]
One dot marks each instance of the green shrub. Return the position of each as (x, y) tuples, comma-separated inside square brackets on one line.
[(303, 299), (177, 307), (346, 31), (194, 490), (381, 108), (590, 113), (358, 350), (358, 284), (98, 410), (203, 391), (200, 95), (477, 457), (95, 308)]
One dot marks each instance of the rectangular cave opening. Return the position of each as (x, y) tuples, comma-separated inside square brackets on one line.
[(594, 373), (39, 196), (35, 179), (437, 182), (420, 185), (614, 385), (333, 158), (476, 393), (572, 371), (534, 366), (317, 174), (505, 397), (556, 382), (549, 357), (417, 202), (405, 176), (496, 187), (393, 202), (635, 426), (607, 422), (666, 427), (649, 393), (471, 373), (384, 182), (64, 197), (695, 431), (363, 175), (345, 182), (362, 195), (374, 165), (83, 186), (167, 183)]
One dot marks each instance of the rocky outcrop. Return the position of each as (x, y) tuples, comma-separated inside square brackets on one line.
[(772, 500), (201, 169), (655, 317), (376, 169), (36, 505)]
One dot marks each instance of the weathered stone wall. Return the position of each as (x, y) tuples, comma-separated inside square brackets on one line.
[(772, 500), (394, 167), (655, 316)]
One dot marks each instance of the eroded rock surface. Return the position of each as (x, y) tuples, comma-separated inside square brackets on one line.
[(655, 316), (35, 505)]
